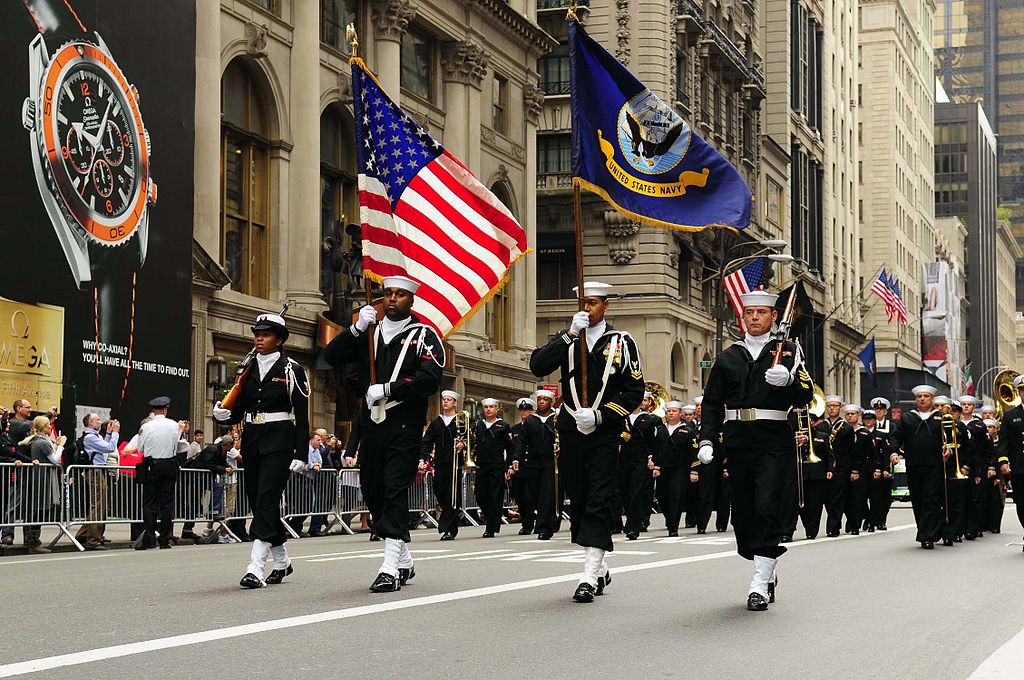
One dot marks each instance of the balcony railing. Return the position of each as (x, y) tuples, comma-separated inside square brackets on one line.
[(683, 97), (757, 80), (726, 46), (554, 87), (691, 14), (560, 4), (554, 180)]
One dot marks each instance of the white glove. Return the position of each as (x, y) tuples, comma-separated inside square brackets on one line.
[(367, 316), (221, 414), (778, 376), (586, 420), (297, 465), (706, 454), (374, 394), (580, 321)]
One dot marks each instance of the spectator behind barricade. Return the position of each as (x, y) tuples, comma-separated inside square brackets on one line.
[(332, 452), (9, 453), (313, 464), (236, 524), (129, 456), (350, 459), (215, 459), (197, 444), (319, 458), (54, 414), (100, 448), (42, 484), (21, 423)]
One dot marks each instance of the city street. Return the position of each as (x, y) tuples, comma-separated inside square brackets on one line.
[(873, 606)]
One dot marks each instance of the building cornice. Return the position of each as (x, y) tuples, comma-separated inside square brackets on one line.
[(498, 11)]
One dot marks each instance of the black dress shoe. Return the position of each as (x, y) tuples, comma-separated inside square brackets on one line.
[(756, 603), (446, 536), (786, 539), (544, 536), (278, 575), (958, 539), (811, 537), (250, 581), (603, 582), (385, 583), (721, 531), (632, 535), (673, 533), (996, 531), (374, 537), (488, 534), (969, 537), (165, 546), (406, 575), (584, 593), (524, 532), (702, 531), (831, 534), (882, 527), (928, 545), (871, 529), (855, 532), (190, 535), (948, 542)]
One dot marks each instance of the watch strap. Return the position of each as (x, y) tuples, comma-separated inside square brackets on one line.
[(114, 273), (56, 18)]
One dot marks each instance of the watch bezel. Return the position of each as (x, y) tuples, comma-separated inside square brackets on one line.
[(109, 232)]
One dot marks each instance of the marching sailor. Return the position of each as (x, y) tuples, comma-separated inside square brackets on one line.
[(492, 443), (408, 359), (443, 446), (274, 406), (590, 434), (919, 434), (747, 400), (534, 459), (674, 466)]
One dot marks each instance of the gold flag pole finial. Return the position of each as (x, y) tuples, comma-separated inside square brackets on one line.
[(353, 39), (571, 14)]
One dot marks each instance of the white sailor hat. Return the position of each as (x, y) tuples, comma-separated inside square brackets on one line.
[(544, 393), (697, 400), (673, 404), (833, 399), (451, 394), (853, 408), (988, 407), (271, 322), (403, 282), (942, 400), (526, 403), (880, 402), (759, 298), (968, 399), (594, 289), (991, 423), (689, 408), (489, 402), (1018, 381), (648, 394), (924, 389)]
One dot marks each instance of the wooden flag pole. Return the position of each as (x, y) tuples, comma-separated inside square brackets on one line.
[(584, 395)]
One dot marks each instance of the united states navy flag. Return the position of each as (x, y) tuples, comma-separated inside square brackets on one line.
[(633, 150)]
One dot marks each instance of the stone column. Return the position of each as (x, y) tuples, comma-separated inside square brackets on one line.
[(533, 101), (206, 208), (300, 239), (390, 21)]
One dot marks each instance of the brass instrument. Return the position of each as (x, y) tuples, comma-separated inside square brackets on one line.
[(950, 441), (660, 396), (803, 424), (462, 434), (1007, 396)]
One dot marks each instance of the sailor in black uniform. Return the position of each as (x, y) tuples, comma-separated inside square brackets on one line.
[(642, 443), (980, 453), (443, 445), (274, 407), (747, 399), (883, 489), (840, 444), (535, 459), (517, 482), (673, 466), (492, 443), (408, 359), (919, 435), (590, 435)]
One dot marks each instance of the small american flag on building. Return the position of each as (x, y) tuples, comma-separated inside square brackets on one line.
[(744, 280), (880, 287), (424, 215), (897, 300)]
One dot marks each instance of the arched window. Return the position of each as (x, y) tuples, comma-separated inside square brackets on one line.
[(339, 196), (245, 181), (498, 319), (678, 364)]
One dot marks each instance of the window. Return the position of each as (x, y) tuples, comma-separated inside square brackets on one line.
[(272, 6), (683, 77), (556, 265), (554, 157), (554, 71), (418, 65), (684, 272), (499, 105), (245, 182), (335, 16), (339, 197), (774, 203), (498, 312)]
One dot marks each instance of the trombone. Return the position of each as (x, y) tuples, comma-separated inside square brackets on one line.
[(950, 442), (803, 424), (463, 436)]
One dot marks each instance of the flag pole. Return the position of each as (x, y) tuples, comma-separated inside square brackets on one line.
[(584, 396), (353, 38)]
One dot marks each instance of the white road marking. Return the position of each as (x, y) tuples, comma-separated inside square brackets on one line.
[(1005, 663), (37, 560), (463, 556), (375, 553), (187, 639)]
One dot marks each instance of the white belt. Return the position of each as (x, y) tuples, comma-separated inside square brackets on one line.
[(747, 414), (260, 418)]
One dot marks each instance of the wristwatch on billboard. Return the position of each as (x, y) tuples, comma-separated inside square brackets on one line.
[(90, 153)]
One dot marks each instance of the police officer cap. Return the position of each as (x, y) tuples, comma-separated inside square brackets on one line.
[(273, 323), (833, 399), (160, 402), (452, 394), (526, 403), (594, 289), (924, 389), (759, 298), (880, 402), (545, 393), (1018, 381), (689, 408), (852, 408), (955, 404), (488, 402), (674, 404), (403, 282), (870, 415), (697, 400)]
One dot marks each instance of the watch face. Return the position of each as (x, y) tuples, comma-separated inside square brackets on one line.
[(94, 144)]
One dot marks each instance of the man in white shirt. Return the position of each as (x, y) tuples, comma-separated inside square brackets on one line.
[(160, 442)]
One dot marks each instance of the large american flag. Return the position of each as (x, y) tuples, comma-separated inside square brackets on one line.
[(424, 215), (880, 287), (744, 280)]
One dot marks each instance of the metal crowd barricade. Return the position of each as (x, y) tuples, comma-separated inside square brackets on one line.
[(348, 499), (100, 494), (200, 497), (307, 494), (31, 497), (469, 498), (421, 498)]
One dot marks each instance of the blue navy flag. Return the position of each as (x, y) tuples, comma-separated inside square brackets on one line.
[(638, 154), (867, 357)]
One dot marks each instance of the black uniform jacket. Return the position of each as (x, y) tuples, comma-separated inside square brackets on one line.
[(819, 441), (625, 389), (737, 381), (492, 444), (840, 443), (1011, 439), (645, 436), (680, 448), (535, 445), (417, 379), (438, 443), (984, 451), (920, 440), (271, 395), (878, 452)]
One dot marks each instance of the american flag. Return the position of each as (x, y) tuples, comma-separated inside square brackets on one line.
[(880, 287), (751, 277), (424, 215), (897, 300)]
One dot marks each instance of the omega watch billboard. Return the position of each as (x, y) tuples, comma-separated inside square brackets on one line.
[(98, 112)]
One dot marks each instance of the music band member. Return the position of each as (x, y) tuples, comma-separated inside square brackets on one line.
[(981, 452), (840, 445), (642, 443), (517, 481), (747, 400), (857, 484), (673, 466), (444, 447), (492, 443), (535, 461), (815, 478), (918, 433), (879, 473), (590, 434), (408, 359), (274, 407)]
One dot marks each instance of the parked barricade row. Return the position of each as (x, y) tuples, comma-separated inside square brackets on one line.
[(470, 506)]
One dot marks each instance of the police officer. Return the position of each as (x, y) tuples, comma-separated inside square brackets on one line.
[(492, 442), (590, 425), (918, 434), (274, 406), (840, 446), (517, 482), (673, 466), (443, 445), (407, 361), (747, 400), (534, 459), (883, 487), (642, 442), (160, 442)]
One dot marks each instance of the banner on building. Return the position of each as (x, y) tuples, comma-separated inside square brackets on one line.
[(937, 323), (95, 273)]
